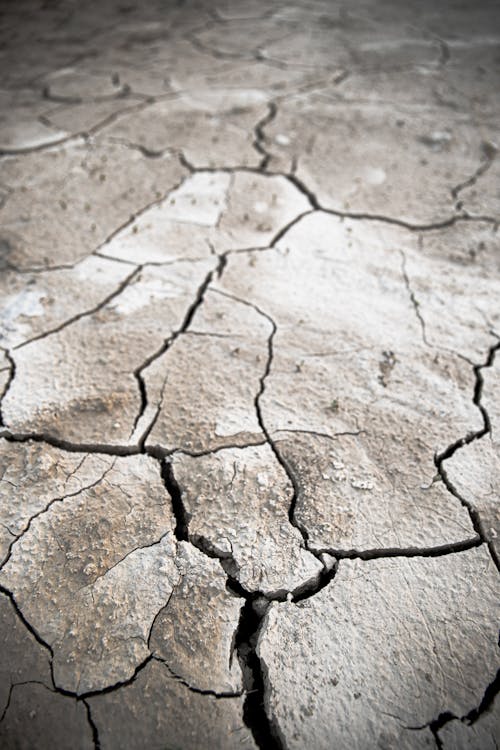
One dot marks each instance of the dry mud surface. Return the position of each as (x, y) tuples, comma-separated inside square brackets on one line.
[(249, 375)]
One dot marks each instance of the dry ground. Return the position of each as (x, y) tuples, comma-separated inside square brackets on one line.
[(250, 389)]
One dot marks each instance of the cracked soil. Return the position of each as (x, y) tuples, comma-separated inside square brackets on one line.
[(249, 375)]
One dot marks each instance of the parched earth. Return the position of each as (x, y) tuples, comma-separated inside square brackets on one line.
[(249, 375)]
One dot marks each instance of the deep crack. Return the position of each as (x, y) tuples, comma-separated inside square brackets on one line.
[(265, 732)]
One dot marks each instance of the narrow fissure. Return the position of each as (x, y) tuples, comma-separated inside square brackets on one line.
[(188, 318), (93, 727), (386, 552), (11, 376), (472, 716), (192, 689), (86, 313), (440, 458), (260, 137)]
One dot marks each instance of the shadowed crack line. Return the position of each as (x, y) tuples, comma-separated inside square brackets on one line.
[(47, 507), (265, 732), (470, 718), (109, 688), (334, 436), (70, 447), (133, 217), (444, 223), (488, 155), (10, 378), (199, 691), (83, 135), (218, 449), (188, 318), (122, 93), (154, 543), (53, 144), (150, 426), (11, 690), (155, 451), (260, 417), (93, 726), (246, 636), (386, 552), (260, 137), (441, 458), (86, 313)]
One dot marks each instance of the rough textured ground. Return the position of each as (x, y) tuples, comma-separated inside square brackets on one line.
[(249, 375)]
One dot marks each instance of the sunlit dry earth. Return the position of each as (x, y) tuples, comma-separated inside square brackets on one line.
[(249, 381)]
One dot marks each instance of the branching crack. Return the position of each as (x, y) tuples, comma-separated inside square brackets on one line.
[(18, 537), (469, 718), (188, 318), (440, 458)]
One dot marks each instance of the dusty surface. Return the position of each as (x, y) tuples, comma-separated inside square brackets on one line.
[(249, 375)]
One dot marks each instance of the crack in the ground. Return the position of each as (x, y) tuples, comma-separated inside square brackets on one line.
[(83, 135), (188, 318), (93, 726), (218, 449), (329, 436), (199, 691), (440, 458), (46, 508), (488, 155), (444, 223), (260, 137), (10, 378), (265, 732), (155, 451), (470, 718), (246, 635), (123, 93), (260, 418), (63, 691), (90, 721), (153, 543), (54, 144), (11, 690), (85, 313), (386, 552), (134, 216), (69, 446)]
